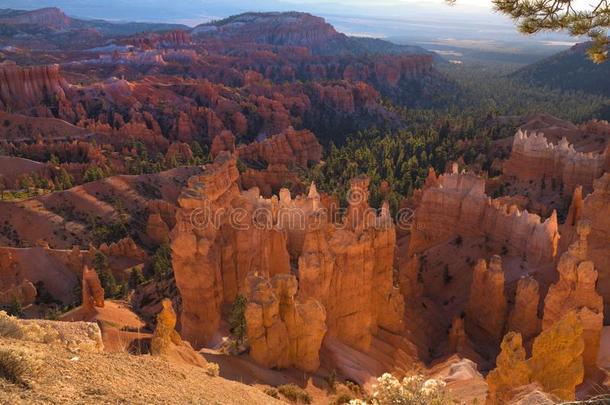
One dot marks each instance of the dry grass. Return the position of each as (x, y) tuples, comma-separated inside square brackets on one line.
[(9, 327), (14, 369)]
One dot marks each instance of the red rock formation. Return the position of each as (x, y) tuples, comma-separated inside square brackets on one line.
[(533, 158), (214, 251), (487, 306), (283, 332), (410, 287), (56, 270), (349, 268), (161, 219), (167, 39), (223, 142), (556, 364), (156, 229), (270, 180), (24, 293), (457, 335), (596, 209), (523, 318), (27, 86), (576, 207), (288, 148), (179, 152), (93, 293), (124, 248), (456, 204), (166, 342), (575, 291), (184, 128), (275, 28)]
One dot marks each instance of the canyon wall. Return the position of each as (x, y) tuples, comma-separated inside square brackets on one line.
[(349, 268), (456, 204), (215, 246), (595, 209), (533, 158), (224, 237), (22, 87)]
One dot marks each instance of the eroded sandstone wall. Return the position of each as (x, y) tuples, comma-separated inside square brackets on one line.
[(27, 86), (287, 148), (215, 246), (576, 291), (283, 331), (456, 204), (533, 158), (345, 266), (486, 311), (556, 364)]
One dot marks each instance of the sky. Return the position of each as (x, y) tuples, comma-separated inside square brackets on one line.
[(199, 10), (423, 22)]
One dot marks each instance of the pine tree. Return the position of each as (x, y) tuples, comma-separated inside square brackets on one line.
[(533, 16), (237, 319)]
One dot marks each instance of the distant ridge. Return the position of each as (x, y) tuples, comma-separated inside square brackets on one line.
[(569, 70), (299, 29), (52, 20)]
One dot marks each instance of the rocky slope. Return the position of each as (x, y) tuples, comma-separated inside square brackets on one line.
[(75, 377)]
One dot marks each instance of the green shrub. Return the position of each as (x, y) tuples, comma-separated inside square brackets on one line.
[(272, 392), (212, 369), (342, 399), (136, 278), (237, 319), (15, 308), (162, 268), (107, 280), (294, 393)]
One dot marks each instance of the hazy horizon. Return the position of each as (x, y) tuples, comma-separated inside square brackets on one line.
[(471, 24)]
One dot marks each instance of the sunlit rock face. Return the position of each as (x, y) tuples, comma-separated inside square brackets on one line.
[(576, 291), (282, 331), (556, 364), (511, 372), (456, 204), (213, 252), (533, 158), (345, 267)]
